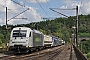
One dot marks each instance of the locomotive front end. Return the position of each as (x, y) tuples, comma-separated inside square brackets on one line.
[(19, 40)]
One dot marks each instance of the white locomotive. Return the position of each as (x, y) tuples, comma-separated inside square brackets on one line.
[(24, 39)]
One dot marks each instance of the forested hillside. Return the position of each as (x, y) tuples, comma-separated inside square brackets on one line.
[(60, 27)]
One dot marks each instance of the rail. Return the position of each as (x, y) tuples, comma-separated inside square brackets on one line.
[(55, 53), (79, 54)]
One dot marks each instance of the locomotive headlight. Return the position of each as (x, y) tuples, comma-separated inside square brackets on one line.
[(26, 46)]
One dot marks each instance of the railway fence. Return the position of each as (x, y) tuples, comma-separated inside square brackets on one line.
[(79, 54)]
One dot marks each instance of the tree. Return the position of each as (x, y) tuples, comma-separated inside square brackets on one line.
[(2, 38), (0, 42)]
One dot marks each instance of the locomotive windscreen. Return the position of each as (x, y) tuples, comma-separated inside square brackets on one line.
[(19, 33)]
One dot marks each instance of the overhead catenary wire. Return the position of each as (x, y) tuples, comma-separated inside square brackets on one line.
[(24, 2), (29, 8), (18, 3), (42, 8), (48, 3), (23, 6), (18, 14), (63, 9), (59, 12), (23, 9), (46, 12), (49, 6)]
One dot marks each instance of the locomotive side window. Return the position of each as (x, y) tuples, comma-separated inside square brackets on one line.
[(19, 33), (30, 34)]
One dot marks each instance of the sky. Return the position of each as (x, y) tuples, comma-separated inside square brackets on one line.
[(28, 11)]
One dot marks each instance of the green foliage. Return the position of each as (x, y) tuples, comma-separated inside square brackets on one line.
[(85, 45), (84, 34), (0, 42), (84, 23), (2, 38), (88, 55)]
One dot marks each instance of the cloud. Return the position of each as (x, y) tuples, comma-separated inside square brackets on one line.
[(2, 3), (84, 5), (31, 14), (70, 4), (9, 4), (40, 1), (85, 9)]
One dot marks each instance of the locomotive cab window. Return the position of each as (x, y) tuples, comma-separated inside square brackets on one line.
[(19, 33)]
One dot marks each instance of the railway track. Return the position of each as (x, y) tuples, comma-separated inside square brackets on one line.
[(48, 54), (53, 55)]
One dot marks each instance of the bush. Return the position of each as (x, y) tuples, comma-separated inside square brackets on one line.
[(88, 56)]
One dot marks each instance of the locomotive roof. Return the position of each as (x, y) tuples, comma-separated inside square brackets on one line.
[(17, 28), (36, 31), (26, 28)]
